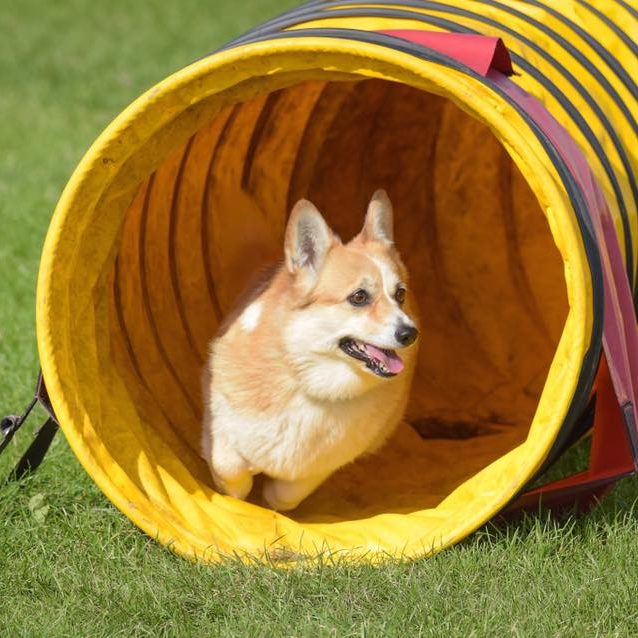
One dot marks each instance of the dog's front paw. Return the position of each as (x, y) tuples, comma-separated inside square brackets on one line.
[(284, 496), (277, 497), (239, 487)]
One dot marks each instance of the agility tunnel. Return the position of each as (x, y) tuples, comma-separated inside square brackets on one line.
[(504, 132)]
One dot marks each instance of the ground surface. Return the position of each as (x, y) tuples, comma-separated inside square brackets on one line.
[(70, 564)]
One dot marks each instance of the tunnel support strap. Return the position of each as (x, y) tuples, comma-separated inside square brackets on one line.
[(12, 423), (40, 445), (612, 457), (614, 453)]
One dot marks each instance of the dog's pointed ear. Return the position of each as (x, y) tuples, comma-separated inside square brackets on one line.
[(379, 219), (308, 239)]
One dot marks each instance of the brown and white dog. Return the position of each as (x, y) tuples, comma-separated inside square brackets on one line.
[(306, 378)]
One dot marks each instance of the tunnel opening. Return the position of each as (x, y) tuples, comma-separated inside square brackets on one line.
[(484, 267)]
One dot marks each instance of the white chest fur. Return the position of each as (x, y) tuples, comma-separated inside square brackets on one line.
[(309, 438)]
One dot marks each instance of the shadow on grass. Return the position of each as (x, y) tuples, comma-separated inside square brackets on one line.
[(619, 509)]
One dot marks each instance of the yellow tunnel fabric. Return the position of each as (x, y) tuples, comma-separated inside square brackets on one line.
[(187, 193)]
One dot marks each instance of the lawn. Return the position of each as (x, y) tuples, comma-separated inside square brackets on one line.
[(70, 564)]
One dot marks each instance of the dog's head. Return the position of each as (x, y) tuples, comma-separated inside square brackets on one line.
[(351, 324)]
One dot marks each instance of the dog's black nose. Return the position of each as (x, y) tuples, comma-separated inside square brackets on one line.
[(406, 335)]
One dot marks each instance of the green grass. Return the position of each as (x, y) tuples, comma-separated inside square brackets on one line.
[(70, 564)]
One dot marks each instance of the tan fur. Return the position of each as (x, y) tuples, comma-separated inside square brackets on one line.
[(283, 398)]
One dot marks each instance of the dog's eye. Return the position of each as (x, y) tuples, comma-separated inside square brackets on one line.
[(359, 298), (399, 295)]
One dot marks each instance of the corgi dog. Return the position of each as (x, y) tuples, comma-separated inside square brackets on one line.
[(306, 377)]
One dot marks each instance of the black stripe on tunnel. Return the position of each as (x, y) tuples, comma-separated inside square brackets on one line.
[(605, 55), (628, 8), (622, 35)]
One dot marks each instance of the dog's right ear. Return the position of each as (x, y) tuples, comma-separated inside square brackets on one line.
[(379, 219), (308, 240)]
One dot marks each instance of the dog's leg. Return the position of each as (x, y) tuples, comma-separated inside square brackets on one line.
[(283, 496), (231, 472)]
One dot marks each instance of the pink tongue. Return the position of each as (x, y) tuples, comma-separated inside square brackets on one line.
[(392, 361)]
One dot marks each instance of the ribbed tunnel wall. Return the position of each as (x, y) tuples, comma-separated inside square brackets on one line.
[(186, 194), (483, 266)]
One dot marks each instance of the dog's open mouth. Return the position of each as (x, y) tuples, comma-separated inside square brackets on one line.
[(384, 363)]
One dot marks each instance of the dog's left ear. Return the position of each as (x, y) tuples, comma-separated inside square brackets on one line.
[(308, 240), (379, 219)]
